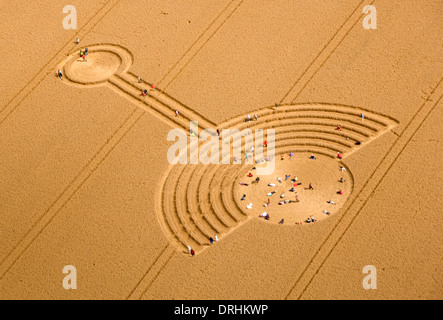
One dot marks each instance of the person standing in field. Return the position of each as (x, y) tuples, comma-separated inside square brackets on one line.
[(192, 252), (60, 75), (216, 238)]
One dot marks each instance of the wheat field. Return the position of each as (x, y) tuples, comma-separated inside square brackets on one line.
[(85, 179)]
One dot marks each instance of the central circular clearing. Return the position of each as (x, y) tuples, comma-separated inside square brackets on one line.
[(323, 173), (98, 66)]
